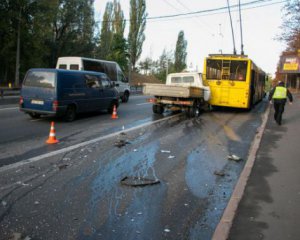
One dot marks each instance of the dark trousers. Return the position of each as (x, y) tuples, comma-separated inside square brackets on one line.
[(279, 109)]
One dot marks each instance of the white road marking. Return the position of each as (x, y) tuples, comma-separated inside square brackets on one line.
[(142, 104), (70, 148), (35, 120), (2, 109)]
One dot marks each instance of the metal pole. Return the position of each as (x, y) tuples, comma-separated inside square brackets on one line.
[(17, 76), (242, 44), (234, 50)]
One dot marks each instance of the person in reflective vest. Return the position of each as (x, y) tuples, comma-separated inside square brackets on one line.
[(278, 95)]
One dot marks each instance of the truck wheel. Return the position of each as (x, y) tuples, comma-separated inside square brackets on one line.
[(158, 109), (192, 112), (34, 115), (125, 97), (70, 114)]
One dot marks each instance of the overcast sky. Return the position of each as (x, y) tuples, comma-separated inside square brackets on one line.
[(210, 33)]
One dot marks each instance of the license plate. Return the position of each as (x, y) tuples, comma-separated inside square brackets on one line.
[(39, 102)]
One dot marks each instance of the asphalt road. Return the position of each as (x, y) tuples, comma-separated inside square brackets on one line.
[(79, 193)]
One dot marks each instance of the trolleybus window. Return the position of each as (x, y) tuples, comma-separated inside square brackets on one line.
[(213, 69), (238, 70)]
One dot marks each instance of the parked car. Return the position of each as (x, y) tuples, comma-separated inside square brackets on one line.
[(56, 92)]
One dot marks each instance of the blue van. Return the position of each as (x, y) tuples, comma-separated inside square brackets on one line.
[(57, 92)]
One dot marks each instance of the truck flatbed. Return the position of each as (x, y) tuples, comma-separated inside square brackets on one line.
[(172, 91)]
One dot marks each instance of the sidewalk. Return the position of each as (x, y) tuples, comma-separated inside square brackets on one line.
[(270, 206)]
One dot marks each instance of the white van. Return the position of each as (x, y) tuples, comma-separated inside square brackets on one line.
[(112, 69)]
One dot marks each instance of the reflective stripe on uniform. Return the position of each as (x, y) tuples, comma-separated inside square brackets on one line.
[(280, 93)]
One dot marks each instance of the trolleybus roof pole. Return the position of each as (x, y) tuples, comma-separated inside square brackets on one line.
[(242, 44), (234, 50)]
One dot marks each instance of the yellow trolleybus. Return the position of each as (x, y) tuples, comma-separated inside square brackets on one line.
[(234, 80)]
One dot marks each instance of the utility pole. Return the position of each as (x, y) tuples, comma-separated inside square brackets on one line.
[(17, 77)]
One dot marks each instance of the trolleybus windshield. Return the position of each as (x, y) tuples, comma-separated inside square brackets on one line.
[(226, 69)]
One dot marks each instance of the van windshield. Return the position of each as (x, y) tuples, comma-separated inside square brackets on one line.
[(40, 79)]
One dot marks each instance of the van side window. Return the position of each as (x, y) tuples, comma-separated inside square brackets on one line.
[(74, 67), (92, 81), (121, 77), (105, 82), (62, 66)]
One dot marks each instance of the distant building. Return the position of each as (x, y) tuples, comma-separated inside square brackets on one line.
[(289, 69)]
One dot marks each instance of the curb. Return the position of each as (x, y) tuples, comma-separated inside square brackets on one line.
[(223, 228)]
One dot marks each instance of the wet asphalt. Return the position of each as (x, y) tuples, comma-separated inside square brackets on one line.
[(79, 194)]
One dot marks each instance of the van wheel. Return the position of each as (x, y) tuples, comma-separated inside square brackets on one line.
[(34, 115), (70, 114), (125, 97)]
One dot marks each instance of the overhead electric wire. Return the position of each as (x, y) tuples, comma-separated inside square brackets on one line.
[(213, 11), (207, 10), (200, 24), (222, 12)]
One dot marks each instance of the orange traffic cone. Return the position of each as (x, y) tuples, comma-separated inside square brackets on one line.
[(114, 113), (52, 139)]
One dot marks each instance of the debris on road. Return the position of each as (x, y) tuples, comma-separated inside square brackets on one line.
[(138, 181), (165, 151), (63, 166), (121, 143), (219, 173), (234, 158)]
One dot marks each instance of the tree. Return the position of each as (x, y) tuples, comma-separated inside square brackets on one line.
[(119, 47), (136, 35), (291, 25), (180, 53), (22, 21), (146, 65), (45, 30), (164, 65), (106, 32), (73, 33)]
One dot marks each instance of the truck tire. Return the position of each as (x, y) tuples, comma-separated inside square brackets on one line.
[(192, 112), (158, 109)]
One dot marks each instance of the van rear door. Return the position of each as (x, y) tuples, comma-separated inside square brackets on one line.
[(39, 90)]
